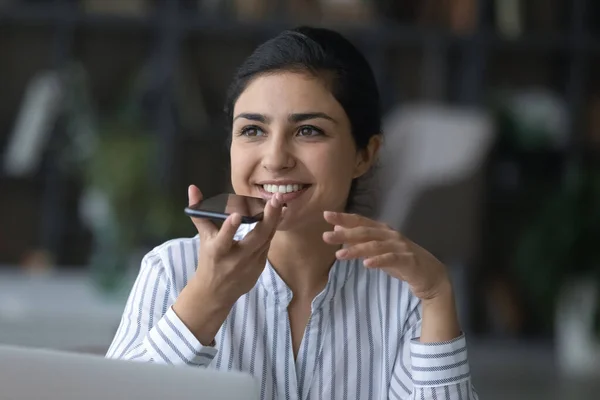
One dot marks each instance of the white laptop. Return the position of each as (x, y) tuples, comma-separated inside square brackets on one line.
[(28, 374)]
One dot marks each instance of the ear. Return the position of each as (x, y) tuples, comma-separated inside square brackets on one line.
[(365, 158)]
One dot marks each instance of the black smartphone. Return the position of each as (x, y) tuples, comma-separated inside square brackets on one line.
[(223, 205)]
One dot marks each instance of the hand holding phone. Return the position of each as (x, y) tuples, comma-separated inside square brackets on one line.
[(223, 205), (227, 269)]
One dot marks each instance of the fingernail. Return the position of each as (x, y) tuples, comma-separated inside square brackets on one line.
[(329, 214), (341, 253), (337, 228)]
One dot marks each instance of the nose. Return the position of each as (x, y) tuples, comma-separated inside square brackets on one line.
[(278, 154)]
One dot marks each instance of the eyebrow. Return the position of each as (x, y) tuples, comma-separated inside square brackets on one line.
[(295, 118), (254, 117), (308, 116)]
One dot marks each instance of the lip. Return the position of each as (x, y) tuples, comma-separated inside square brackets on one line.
[(285, 197)]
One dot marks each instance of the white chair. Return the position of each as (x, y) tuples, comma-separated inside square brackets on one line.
[(428, 145), (431, 183)]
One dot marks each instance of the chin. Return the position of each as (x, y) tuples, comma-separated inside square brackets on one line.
[(299, 222), (287, 224)]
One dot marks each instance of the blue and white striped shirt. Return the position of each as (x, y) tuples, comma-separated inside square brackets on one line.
[(360, 342)]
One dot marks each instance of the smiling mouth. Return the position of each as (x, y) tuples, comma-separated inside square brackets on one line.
[(283, 188)]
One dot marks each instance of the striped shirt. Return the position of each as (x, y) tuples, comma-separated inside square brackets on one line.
[(360, 342)]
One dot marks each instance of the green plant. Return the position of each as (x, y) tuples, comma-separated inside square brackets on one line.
[(121, 170), (122, 167), (562, 242), (116, 157)]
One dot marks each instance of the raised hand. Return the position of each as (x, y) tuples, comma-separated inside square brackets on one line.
[(226, 270), (383, 247)]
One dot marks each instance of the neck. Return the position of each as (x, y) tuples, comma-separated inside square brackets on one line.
[(303, 260)]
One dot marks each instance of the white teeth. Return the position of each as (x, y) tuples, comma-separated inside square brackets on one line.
[(282, 188)]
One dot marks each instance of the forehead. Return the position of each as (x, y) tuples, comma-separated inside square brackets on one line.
[(287, 92)]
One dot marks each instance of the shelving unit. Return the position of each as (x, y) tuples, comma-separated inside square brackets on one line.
[(411, 61)]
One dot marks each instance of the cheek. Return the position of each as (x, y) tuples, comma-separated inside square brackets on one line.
[(240, 166), (334, 168)]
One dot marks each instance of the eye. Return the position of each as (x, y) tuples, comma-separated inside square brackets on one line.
[(251, 131), (309, 131)]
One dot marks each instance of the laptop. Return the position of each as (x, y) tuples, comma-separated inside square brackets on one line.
[(28, 374)]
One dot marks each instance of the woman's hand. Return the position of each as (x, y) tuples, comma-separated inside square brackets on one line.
[(226, 270), (382, 247)]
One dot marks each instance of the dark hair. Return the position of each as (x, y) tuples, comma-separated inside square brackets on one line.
[(325, 54)]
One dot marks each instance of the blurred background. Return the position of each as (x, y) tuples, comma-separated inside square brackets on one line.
[(110, 108)]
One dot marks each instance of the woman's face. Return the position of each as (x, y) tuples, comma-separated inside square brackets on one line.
[(290, 135)]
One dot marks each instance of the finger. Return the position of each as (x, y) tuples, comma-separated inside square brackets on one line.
[(265, 229), (350, 220), (194, 195), (369, 249), (388, 260), (264, 248), (273, 210), (261, 250), (204, 226), (341, 235), (258, 260), (283, 212), (257, 257), (224, 238)]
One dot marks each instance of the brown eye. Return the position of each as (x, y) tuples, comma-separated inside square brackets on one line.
[(251, 131), (309, 131)]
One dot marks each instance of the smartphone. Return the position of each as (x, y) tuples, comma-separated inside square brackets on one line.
[(223, 205)]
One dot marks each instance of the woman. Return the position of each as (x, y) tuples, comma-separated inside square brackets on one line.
[(316, 302)]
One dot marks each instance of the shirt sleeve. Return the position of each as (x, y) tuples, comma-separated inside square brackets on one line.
[(426, 371), (149, 330)]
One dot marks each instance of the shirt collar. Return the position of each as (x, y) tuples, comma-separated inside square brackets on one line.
[(275, 286), (338, 276), (282, 294)]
